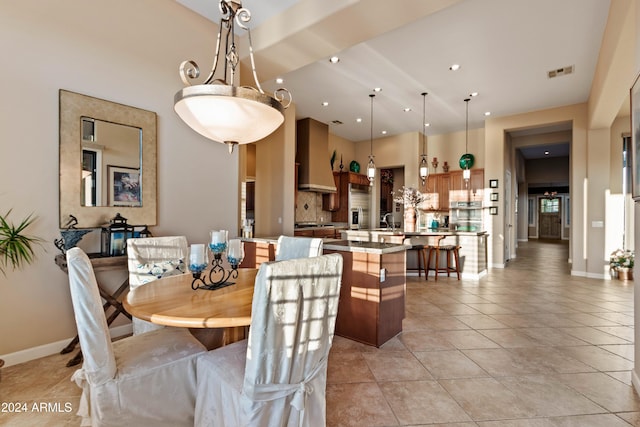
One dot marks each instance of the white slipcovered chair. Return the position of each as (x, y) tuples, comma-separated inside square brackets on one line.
[(298, 247), (278, 376), (151, 258), (143, 380)]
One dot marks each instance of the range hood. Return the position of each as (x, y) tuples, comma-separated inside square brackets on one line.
[(314, 172)]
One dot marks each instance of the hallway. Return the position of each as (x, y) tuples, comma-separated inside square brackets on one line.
[(526, 346)]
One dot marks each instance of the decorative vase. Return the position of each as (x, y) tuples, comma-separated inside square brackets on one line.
[(625, 273), (445, 167), (410, 219)]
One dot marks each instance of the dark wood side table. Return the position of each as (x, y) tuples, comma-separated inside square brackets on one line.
[(99, 263)]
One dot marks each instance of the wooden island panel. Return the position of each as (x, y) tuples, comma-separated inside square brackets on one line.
[(371, 310)]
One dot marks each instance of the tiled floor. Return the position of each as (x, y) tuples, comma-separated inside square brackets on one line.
[(527, 346)]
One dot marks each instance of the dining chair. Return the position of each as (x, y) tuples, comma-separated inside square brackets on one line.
[(151, 258), (142, 380), (278, 376), (298, 247)]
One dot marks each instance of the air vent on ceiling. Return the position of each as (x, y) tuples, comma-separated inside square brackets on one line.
[(336, 122), (560, 71)]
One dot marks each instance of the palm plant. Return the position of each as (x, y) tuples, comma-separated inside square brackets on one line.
[(16, 249)]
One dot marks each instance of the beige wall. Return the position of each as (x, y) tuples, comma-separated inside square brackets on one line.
[(123, 57), (449, 147)]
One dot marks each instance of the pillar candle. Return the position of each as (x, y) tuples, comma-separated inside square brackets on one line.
[(197, 254), (235, 249)]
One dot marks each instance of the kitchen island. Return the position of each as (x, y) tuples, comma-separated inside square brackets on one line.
[(372, 294), (473, 245)]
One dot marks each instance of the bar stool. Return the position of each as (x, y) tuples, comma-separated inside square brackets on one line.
[(421, 252), (449, 251)]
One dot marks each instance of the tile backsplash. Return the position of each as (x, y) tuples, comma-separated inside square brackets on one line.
[(309, 208)]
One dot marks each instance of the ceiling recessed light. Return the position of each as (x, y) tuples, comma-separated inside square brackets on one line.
[(487, 113), (384, 132), (406, 110), (359, 120), (325, 104), (377, 89), (454, 67), (473, 94), (334, 59), (279, 80), (546, 153), (427, 125)]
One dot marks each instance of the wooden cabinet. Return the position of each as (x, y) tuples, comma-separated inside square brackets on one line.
[(443, 188), (322, 232), (346, 178), (371, 320), (331, 201), (386, 197)]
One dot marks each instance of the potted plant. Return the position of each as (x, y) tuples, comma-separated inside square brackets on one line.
[(411, 198), (16, 248), (622, 261)]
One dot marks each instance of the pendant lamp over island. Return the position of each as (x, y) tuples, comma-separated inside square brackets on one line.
[(424, 166), (371, 167), (466, 160), (219, 109)]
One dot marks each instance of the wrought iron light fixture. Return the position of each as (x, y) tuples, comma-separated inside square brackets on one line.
[(217, 108), (371, 167), (424, 166), (466, 161)]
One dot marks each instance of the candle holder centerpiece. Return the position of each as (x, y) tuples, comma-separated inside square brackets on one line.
[(218, 277)]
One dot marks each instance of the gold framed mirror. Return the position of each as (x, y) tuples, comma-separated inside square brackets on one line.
[(96, 179)]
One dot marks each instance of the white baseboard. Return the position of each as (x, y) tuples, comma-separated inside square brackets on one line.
[(32, 353), (503, 265)]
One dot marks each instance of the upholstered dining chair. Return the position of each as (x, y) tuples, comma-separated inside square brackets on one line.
[(277, 377), (142, 380), (298, 247), (151, 258)]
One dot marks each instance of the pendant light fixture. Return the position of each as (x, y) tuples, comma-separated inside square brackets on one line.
[(424, 166), (466, 161), (217, 108), (371, 167)]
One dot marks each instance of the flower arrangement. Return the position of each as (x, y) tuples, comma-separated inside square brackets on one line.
[(621, 258), (408, 196)]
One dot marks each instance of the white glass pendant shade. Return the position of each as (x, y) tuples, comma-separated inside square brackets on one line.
[(466, 174), (229, 114), (371, 170), (424, 169)]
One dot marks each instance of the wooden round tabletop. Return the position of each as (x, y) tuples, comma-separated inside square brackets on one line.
[(170, 301)]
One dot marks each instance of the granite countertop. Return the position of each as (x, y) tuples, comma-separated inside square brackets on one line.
[(368, 247), (345, 245), (429, 232)]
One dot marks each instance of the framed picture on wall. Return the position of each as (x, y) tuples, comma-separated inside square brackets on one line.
[(494, 197), (123, 186), (635, 139), (493, 210), (493, 183)]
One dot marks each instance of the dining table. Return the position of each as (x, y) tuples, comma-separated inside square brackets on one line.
[(171, 301)]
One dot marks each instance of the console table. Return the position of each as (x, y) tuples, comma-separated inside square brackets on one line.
[(99, 264)]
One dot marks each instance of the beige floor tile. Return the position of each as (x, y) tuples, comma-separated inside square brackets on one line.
[(510, 338), (624, 332), (624, 350), (487, 399), (449, 364), (422, 402), (632, 418), (425, 340), (467, 339), (604, 390), (481, 321), (396, 366), (548, 397), (593, 336), (358, 405), (551, 337), (598, 358), (348, 367)]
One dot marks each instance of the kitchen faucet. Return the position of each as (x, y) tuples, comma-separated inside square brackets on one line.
[(384, 219)]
